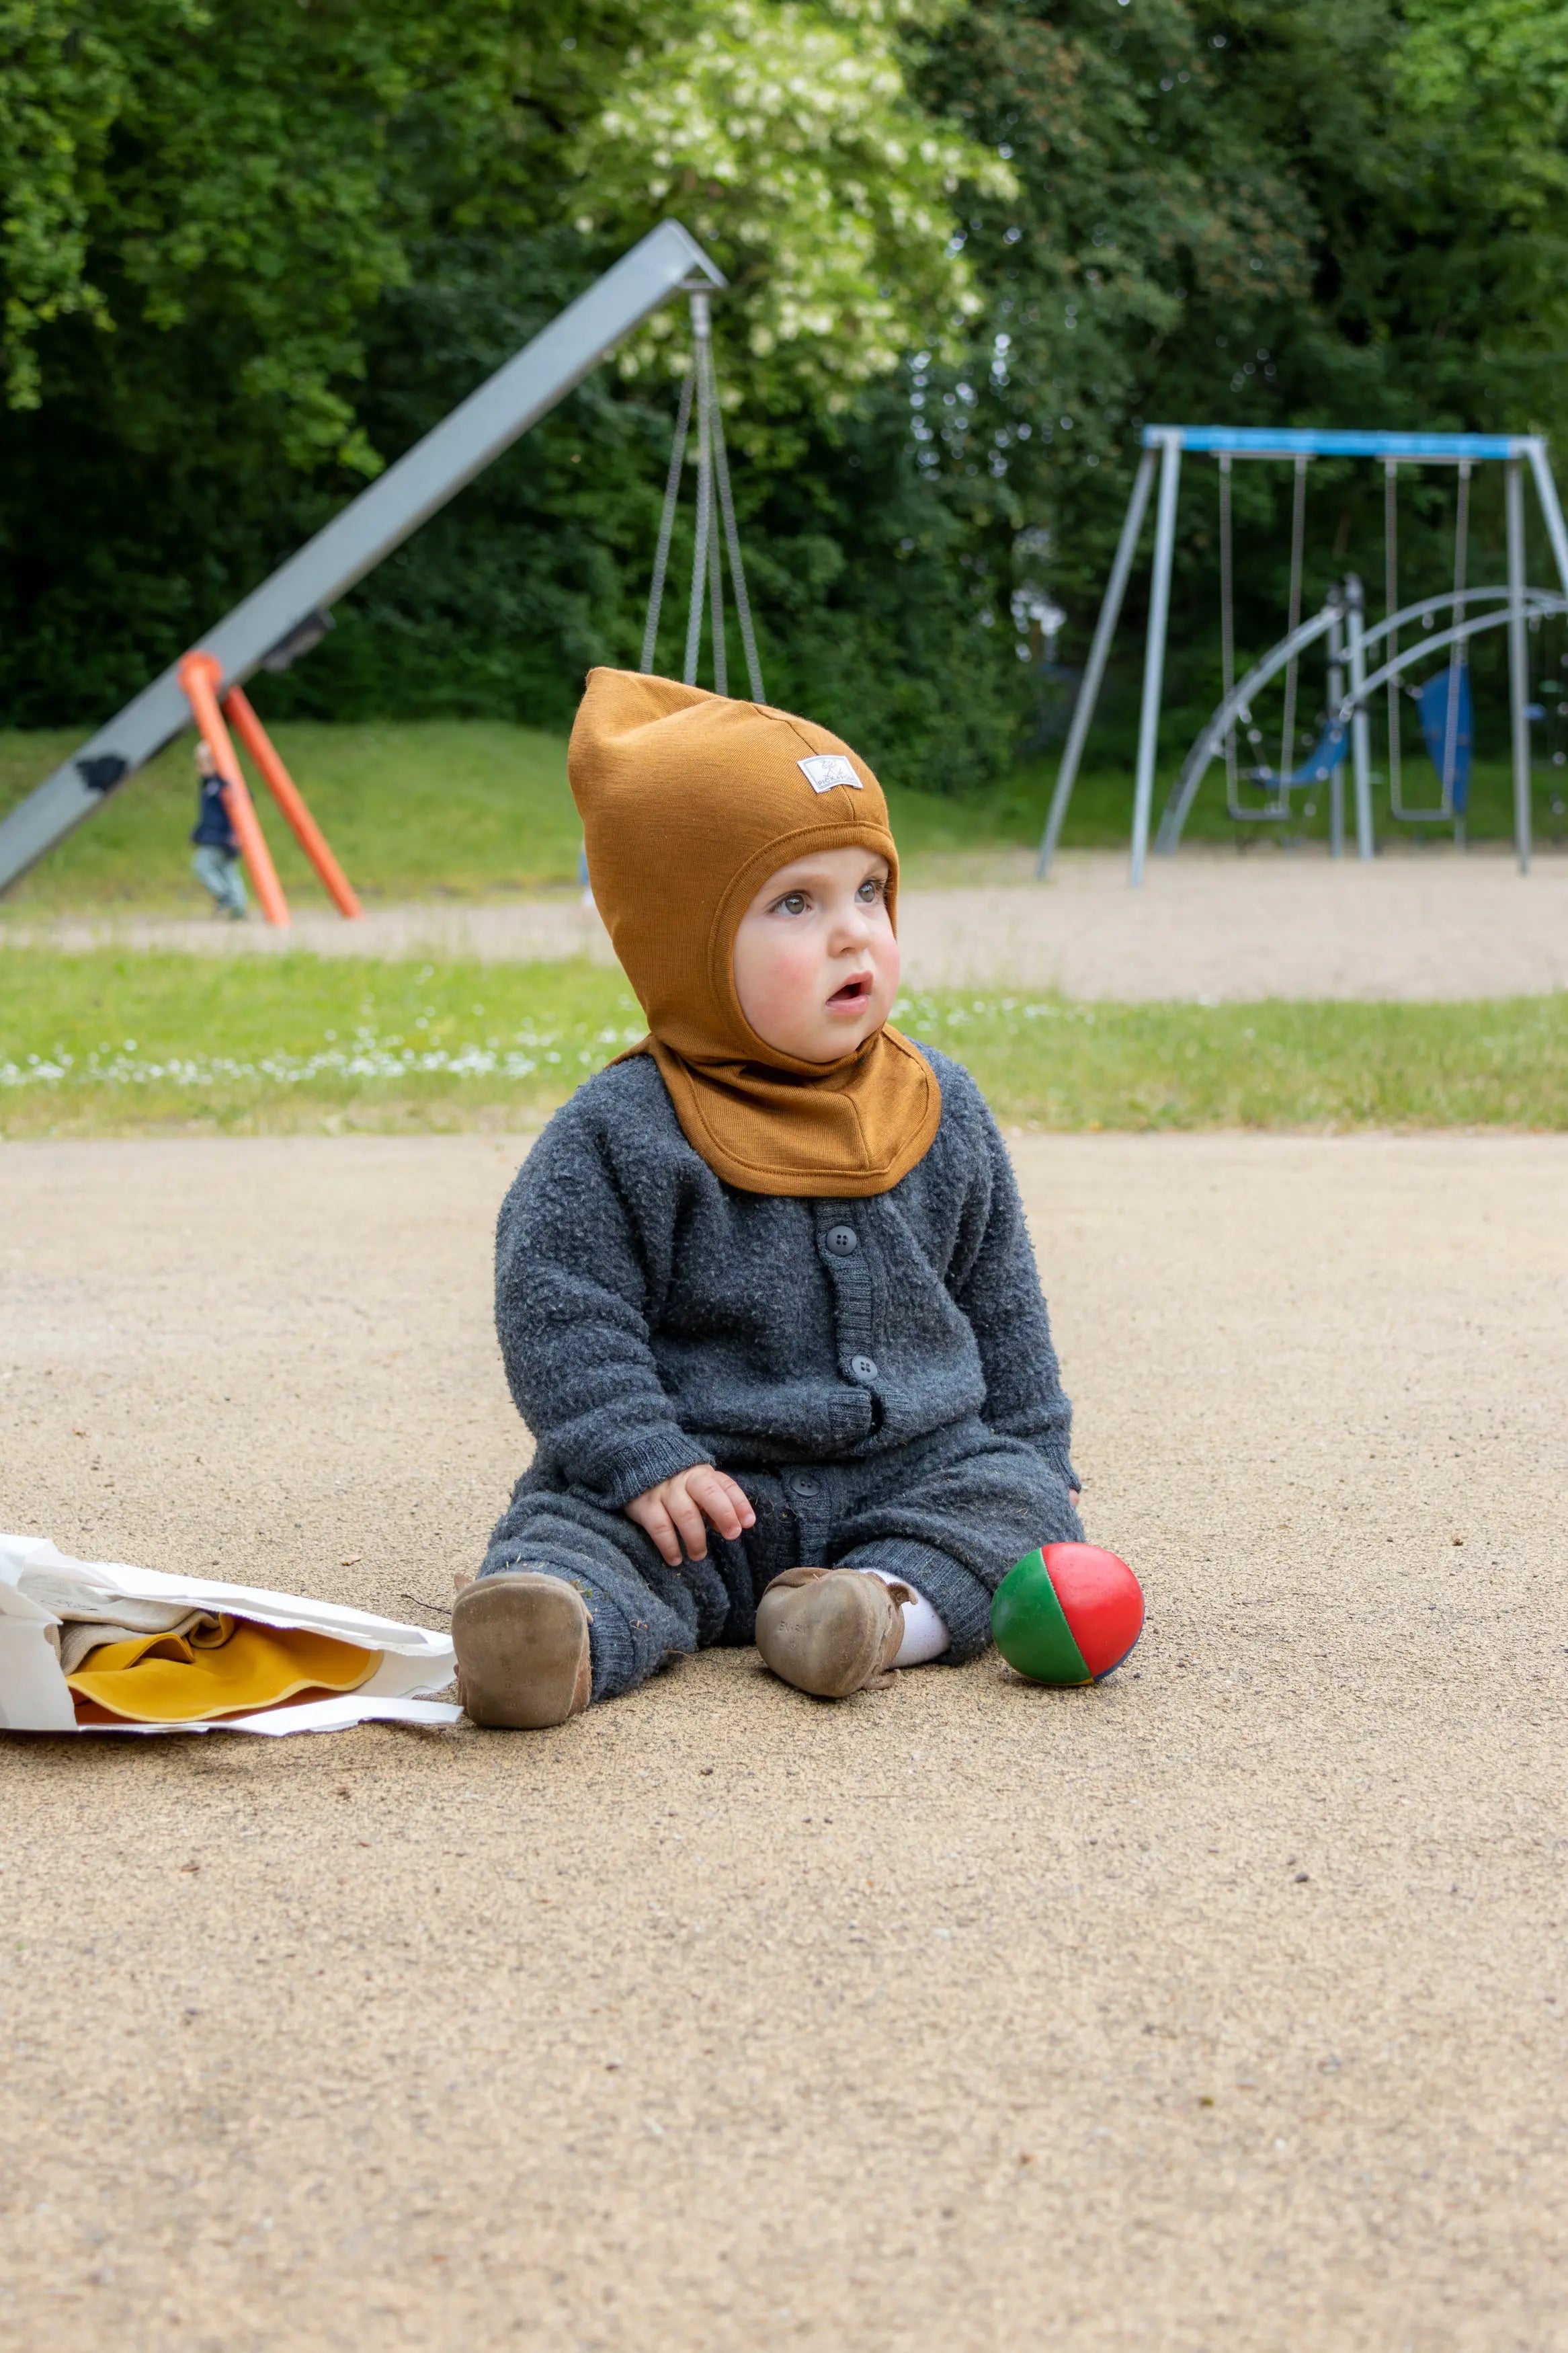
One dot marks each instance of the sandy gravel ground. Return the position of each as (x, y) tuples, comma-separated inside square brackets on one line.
[(1222, 2006), (1208, 924)]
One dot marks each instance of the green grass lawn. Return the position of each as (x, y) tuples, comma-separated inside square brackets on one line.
[(105, 1043), (436, 808), (474, 808)]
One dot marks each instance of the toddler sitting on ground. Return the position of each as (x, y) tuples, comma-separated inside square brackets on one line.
[(764, 1292)]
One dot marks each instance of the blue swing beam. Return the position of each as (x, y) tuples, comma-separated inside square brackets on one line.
[(1163, 445)]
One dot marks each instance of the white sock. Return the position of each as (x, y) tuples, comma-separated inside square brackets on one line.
[(925, 1629)]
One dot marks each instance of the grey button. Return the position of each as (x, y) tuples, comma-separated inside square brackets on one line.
[(842, 1238), (863, 1368), (801, 1485)]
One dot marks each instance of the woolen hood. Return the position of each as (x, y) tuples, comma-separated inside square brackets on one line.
[(688, 802)]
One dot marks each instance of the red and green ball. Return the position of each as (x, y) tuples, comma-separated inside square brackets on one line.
[(1068, 1613)]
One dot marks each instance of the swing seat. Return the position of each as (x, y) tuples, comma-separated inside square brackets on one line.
[(1319, 765), (1432, 702)]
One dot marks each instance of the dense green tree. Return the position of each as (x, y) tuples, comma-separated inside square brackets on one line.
[(1256, 213), (249, 249), (252, 248)]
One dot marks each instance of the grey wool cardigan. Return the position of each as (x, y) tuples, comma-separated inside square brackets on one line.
[(652, 1317)]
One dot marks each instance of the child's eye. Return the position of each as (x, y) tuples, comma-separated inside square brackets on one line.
[(870, 891), (794, 902)]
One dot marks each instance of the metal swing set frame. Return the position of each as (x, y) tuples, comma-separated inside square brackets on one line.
[(1342, 622)]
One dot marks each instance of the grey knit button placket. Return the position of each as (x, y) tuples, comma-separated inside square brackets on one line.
[(850, 1275), (806, 1492)]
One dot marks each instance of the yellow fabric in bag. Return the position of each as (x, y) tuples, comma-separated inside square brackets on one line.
[(224, 1666)]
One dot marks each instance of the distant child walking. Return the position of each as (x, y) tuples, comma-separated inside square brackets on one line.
[(764, 1292), (217, 861)]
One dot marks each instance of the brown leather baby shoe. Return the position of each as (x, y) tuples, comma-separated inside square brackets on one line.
[(522, 1641), (831, 1631)]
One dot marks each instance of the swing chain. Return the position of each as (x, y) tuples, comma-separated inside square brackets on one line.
[(701, 357), (1275, 810), (1297, 551), (733, 541), (1391, 606), (1444, 812), (1226, 618), (667, 519), (1456, 651)]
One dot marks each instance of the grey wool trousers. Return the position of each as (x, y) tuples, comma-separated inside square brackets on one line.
[(948, 1513)]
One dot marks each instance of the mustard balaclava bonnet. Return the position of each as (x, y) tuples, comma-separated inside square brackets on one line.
[(688, 802)]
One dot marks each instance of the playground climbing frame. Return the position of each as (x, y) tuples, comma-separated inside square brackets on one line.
[(1162, 450)]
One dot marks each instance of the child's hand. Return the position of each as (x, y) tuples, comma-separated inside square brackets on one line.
[(673, 1512)]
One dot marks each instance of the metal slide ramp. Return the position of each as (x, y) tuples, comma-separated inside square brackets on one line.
[(286, 613)]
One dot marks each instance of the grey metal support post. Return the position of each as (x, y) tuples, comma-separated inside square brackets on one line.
[(1154, 651), (1094, 669), (287, 611), (1517, 661), (1337, 773), (1546, 491), (701, 361), (1360, 748)]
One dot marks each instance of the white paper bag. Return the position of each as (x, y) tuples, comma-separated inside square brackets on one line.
[(39, 1585)]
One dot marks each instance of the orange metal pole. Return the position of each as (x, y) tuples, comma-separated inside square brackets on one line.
[(199, 676), (291, 800)]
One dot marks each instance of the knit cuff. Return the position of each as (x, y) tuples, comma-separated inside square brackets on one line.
[(632, 1471), (957, 1596), (1051, 1446)]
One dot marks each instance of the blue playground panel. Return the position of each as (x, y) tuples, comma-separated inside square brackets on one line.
[(1317, 768), (1433, 704)]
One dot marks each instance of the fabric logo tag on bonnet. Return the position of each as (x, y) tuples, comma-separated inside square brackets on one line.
[(825, 770)]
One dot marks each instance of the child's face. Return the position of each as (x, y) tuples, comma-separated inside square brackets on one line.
[(204, 757), (815, 963)]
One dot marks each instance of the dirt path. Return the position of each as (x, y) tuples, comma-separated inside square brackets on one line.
[(1208, 924), (1222, 2006)]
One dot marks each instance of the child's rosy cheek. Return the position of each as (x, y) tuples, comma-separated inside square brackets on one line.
[(797, 969)]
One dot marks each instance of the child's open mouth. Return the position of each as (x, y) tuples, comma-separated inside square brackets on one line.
[(853, 994)]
